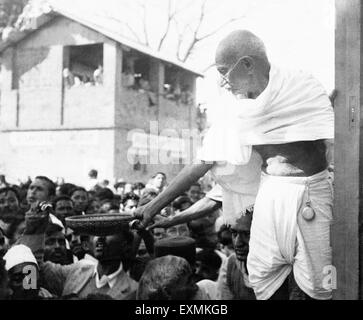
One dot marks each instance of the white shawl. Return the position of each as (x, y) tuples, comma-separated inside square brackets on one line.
[(293, 107)]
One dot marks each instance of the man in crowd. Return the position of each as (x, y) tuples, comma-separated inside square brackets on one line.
[(157, 182), (11, 214), (119, 187), (65, 189), (139, 188), (79, 197), (185, 247), (181, 203), (55, 249), (195, 192), (180, 230), (79, 244), (63, 207), (9, 201), (23, 272), (207, 265), (108, 276), (280, 123), (41, 189), (233, 283), (169, 278), (92, 182), (129, 203)]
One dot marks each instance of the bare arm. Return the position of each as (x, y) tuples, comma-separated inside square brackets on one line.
[(181, 183), (198, 210)]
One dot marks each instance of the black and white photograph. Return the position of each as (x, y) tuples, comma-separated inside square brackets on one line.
[(183, 152)]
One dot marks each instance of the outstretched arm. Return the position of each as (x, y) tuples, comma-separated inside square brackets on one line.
[(200, 209), (181, 183)]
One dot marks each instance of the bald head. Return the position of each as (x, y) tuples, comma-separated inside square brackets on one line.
[(238, 44)]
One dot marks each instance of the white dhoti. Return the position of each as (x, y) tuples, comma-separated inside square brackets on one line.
[(282, 240)]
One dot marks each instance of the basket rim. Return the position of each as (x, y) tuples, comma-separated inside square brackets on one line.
[(99, 216)]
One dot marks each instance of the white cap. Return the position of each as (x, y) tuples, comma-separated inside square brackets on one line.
[(18, 254)]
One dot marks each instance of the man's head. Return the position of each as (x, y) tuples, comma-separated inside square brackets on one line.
[(207, 265), (65, 189), (130, 202), (93, 207), (159, 233), (63, 207), (241, 236), (138, 188), (203, 230), (41, 189), (159, 180), (177, 246), (242, 61), (55, 245), (180, 230), (93, 174), (120, 187), (167, 278), (182, 203), (23, 273), (78, 243), (104, 194), (79, 197), (9, 200), (113, 248), (109, 206), (194, 192), (129, 188)]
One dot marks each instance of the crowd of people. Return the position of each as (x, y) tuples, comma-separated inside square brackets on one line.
[(262, 232), (172, 261)]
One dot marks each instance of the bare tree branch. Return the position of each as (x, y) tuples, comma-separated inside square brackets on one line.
[(187, 33), (207, 68), (195, 35), (197, 38), (212, 33), (170, 18), (134, 34), (144, 10), (180, 39)]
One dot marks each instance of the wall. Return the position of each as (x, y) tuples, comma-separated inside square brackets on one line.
[(37, 64), (69, 154), (134, 114)]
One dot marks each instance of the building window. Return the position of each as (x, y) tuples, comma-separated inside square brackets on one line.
[(83, 65), (136, 71), (177, 85), (136, 74)]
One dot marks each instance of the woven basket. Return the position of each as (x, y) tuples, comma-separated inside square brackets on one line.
[(99, 224)]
